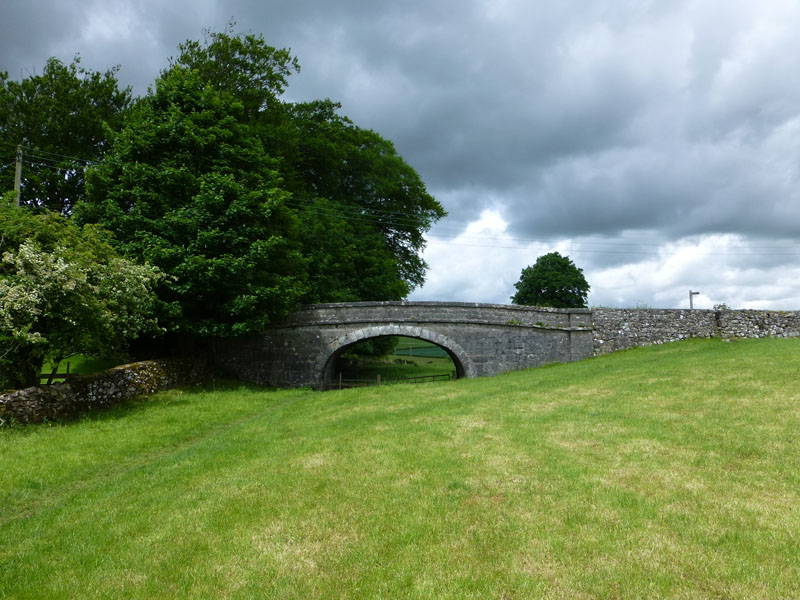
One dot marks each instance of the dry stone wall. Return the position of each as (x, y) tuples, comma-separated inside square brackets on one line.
[(65, 400), (617, 329), (758, 323)]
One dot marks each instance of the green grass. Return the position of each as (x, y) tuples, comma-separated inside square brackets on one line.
[(412, 358), (418, 348), (80, 364), (665, 472), (399, 367)]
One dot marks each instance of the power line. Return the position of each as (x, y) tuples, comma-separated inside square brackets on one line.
[(55, 168), (34, 159), (399, 219), (32, 150), (46, 154), (355, 214), (42, 162), (584, 243), (353, 209), (38, 157), (402, 218)]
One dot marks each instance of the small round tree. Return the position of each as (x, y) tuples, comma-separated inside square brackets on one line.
[(553, 281)]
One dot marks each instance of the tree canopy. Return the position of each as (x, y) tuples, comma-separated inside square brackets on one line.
[(62, 119), (362, 208), (245, 204), (351, 183), (552, 281), (251, 203), (187, 186)]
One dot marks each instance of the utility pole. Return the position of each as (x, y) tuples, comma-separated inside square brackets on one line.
[(18, 175), (691, 299)]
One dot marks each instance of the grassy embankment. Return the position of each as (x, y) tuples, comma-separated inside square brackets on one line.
[(671, 471)]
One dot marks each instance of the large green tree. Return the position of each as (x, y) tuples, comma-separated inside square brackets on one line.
[(363, 210), (188, 187), (351, 180), (64, 290), (61, 118), (553, 281), (251, 203)]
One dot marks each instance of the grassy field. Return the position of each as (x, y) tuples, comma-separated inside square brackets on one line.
[(666, 472), (412, 358), (79, 365)]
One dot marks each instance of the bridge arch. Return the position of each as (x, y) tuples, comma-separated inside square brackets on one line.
[(327, 358)]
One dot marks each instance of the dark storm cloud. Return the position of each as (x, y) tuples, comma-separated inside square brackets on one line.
[(574, 120), (29, 35), (608, 120)]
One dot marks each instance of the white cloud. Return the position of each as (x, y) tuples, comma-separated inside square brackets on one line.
[(483, 263), (462, 269), (106, 22)]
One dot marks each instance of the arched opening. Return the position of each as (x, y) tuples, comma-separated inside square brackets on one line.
[(390, 359)]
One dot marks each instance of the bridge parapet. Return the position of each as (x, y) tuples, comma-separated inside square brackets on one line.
[(341, 313)]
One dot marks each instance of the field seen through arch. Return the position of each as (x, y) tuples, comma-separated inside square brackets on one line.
[(400, 360)]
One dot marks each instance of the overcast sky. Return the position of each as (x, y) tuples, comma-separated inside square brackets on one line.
[(657, 143)]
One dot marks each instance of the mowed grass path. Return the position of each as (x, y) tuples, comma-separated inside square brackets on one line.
[(670, 471)]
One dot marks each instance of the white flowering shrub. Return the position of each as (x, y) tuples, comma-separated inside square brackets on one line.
[(76, 296)]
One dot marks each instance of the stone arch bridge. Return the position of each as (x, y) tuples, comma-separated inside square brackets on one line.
[(481, 339)]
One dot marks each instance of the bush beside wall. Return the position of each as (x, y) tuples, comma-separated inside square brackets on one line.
[(65, 400)]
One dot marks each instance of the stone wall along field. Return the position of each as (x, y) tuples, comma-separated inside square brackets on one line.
[(64, 400), (617, 329), (758, 323)]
